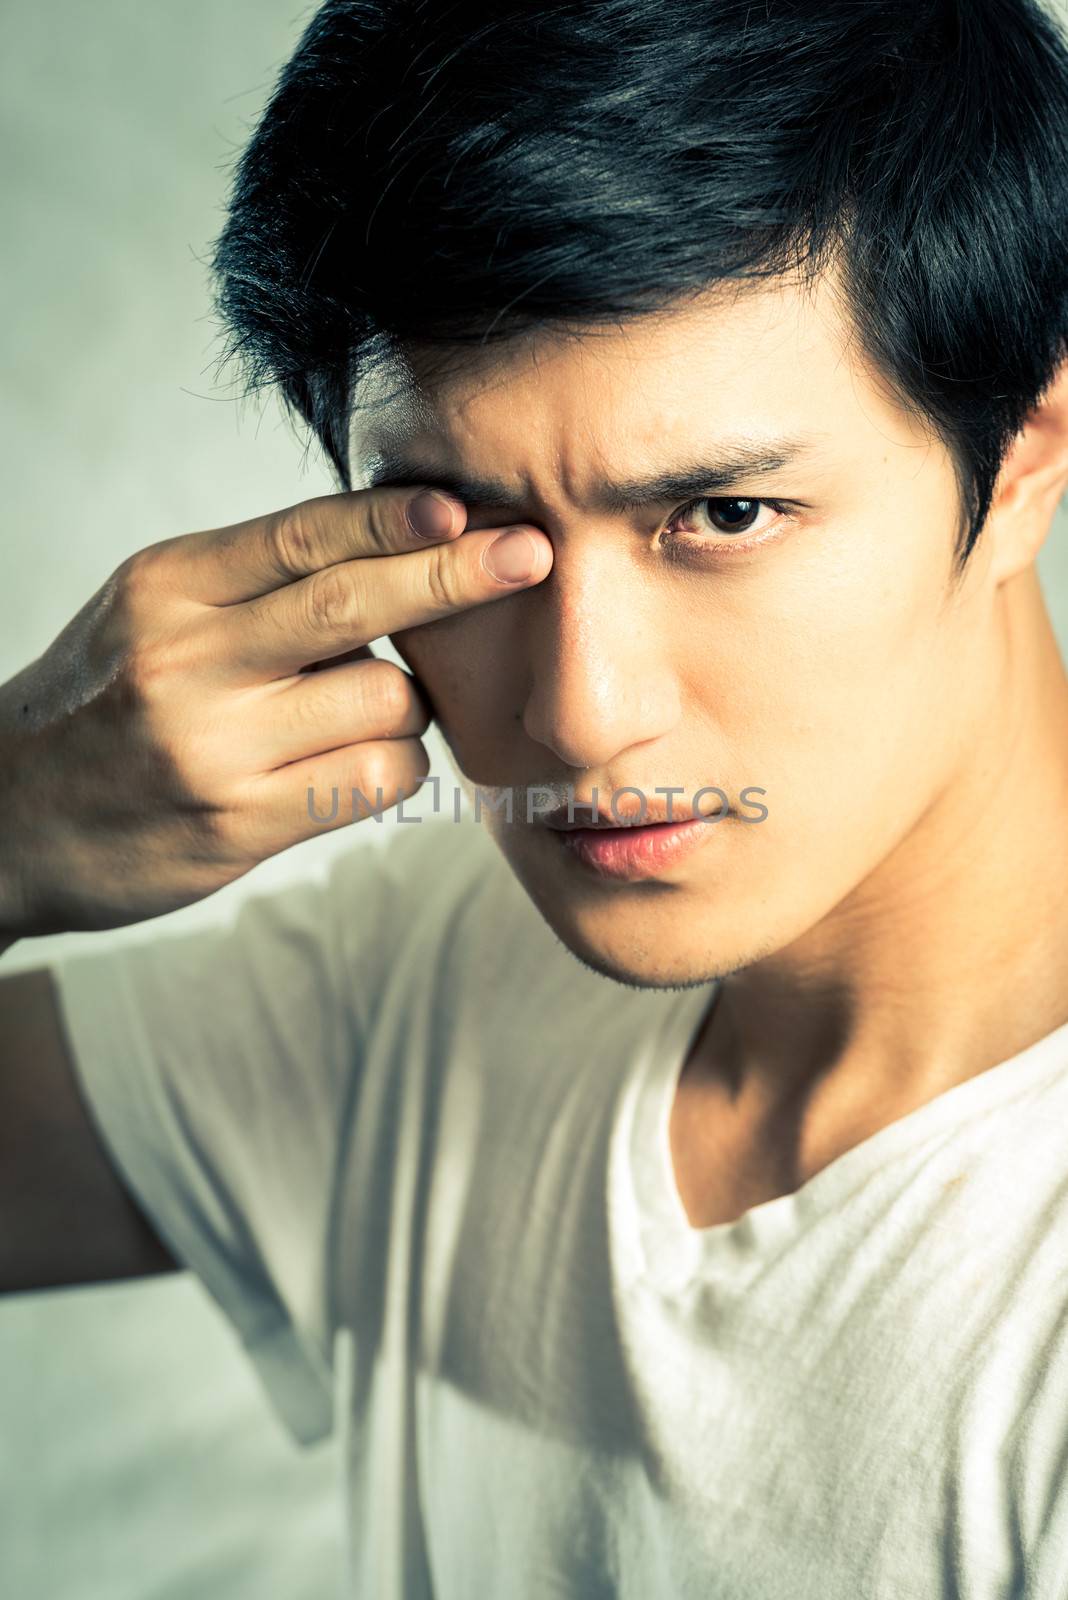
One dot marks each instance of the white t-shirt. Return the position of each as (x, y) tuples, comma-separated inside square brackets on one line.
[(418, 1154)]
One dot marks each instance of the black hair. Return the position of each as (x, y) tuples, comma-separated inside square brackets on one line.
[(436, 172)]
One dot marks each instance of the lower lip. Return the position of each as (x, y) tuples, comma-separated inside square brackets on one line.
[(632, 853)]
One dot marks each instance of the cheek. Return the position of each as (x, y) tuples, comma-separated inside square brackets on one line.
[(838, 675), (457, 668), (412, 649)]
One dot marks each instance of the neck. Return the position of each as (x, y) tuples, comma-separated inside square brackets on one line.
[(952, 955)]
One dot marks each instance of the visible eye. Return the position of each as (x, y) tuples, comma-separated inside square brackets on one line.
[(718, 522)]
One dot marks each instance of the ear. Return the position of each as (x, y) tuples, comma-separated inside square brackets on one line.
[(1033, 477)]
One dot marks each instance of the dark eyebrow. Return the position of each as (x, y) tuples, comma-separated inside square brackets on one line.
[(739, 461)]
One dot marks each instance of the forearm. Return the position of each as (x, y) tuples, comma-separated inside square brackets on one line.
[(10, 930), (10, 898)]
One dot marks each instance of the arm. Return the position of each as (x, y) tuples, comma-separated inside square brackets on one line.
[(166, 743), (65, 1217)]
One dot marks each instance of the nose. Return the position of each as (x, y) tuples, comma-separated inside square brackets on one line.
[(601, 676)]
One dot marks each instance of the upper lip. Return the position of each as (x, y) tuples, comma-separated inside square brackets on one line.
[(588, 817)]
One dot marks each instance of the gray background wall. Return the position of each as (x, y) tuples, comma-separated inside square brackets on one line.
[(137, 1458)]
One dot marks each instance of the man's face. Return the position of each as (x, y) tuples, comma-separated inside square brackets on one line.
[(823, 653)]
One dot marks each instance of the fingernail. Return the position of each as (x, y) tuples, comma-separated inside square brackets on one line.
[(430, 514), (512, 556)]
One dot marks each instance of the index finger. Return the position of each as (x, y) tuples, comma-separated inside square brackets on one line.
[(223, 566)]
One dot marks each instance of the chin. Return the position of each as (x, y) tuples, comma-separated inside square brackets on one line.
[(628, 938), (707, 919), (633, 975)]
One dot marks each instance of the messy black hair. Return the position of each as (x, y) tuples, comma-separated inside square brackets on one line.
[(436, 172)]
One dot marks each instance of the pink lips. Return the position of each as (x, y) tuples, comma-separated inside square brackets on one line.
[(635, 852)]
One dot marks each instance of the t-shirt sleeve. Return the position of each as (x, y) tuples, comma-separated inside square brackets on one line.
[(218, 1067)]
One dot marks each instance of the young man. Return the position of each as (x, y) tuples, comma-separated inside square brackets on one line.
[(676, 1209)]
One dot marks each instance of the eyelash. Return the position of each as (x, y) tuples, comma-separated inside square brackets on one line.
[(731, 545)]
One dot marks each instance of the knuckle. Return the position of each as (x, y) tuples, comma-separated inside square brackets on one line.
[(292, 536), (443, 579), (147, 672), (385, 693), (161, 669), (332, 602), (136, 577), (376, 775), (383, 521), (309, 710)]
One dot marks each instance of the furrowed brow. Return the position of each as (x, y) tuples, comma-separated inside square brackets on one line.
[(738, 461)]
